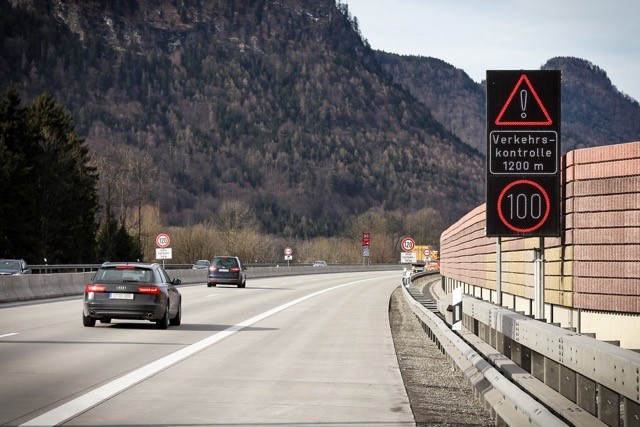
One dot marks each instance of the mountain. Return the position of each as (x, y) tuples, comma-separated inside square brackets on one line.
[(281, 105), (594, 112)]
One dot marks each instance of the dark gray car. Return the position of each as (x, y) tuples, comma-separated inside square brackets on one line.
[(135, 291), (14, 267), (227, 270)]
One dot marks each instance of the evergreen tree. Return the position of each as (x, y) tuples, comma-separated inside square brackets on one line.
[(48, 201), (17, 190)]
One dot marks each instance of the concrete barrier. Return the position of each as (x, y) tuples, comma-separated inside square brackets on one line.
[(42, 286), (21, 287)]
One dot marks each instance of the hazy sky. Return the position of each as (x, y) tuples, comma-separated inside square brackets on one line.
[(480, 35)]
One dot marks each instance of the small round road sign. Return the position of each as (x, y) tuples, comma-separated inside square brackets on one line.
[(162, 240), (408, 244), (288, 251)]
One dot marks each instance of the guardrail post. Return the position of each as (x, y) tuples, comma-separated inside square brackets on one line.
[(608, 406)]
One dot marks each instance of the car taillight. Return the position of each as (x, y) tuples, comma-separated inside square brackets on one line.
[(235, 269), (95, 288), (212, 269), (150, 290)]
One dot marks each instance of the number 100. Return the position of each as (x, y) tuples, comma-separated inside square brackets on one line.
[(523, 206)]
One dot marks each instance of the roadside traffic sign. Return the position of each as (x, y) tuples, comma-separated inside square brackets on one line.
[(164, 253), (288, 251), (366, 239), (523, 153), (408, 244), (162, 240)]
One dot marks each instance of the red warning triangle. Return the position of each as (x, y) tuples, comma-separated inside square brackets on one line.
[(519, 110)]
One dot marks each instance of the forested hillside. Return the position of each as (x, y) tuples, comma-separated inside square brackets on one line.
[(594, 112), (279, 104)]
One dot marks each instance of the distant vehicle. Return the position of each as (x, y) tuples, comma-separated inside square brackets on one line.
[(418, 267), (433, 266), (201, 264), (14, 267), (226, 270), (320, 264), (137, 291)]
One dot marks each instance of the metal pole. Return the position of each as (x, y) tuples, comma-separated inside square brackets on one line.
[(538, 278), (499, 271)]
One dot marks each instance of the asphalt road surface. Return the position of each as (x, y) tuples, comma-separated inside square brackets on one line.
[(306, 350)]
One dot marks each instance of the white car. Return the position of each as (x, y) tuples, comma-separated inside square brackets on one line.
[(320, 264)]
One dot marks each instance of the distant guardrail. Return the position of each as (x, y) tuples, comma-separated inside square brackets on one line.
[(61, 284), (83, 268)]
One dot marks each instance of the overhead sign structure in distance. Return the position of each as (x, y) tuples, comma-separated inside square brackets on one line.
[(523, 153)]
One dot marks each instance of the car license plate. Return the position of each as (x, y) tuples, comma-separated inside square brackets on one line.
[(120, 296), (223, 270)]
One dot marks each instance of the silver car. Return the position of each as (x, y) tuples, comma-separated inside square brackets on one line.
[(14, 267)]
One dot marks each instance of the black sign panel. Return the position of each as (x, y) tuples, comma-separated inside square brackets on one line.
[(523, 153)]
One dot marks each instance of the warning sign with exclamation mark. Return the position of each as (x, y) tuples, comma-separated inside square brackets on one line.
[(523, 153), (519, 111)]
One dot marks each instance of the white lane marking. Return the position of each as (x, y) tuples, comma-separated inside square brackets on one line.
[(211, 295), (8, 335), (95, 397)]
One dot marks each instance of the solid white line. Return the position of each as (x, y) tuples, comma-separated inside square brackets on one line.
[(8, 335), (95, 397), (211, 295)]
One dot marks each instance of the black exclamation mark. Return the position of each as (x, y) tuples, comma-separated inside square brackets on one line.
[(523, 103)]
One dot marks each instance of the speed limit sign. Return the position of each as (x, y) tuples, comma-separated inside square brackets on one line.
[(408, 244), (162, 240)]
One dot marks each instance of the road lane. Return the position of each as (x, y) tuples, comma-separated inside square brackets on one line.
[(327, 358)]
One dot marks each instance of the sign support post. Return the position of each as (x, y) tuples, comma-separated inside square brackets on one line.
[(499, 271), (538, 277)]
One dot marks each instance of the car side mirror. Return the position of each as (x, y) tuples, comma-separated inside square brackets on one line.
[(176, 282)]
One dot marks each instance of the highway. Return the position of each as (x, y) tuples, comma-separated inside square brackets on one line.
[(313, 349)]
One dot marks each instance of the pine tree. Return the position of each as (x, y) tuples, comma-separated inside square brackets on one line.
[(48, 199)]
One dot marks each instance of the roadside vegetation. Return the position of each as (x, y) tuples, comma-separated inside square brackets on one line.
[(62, 205)]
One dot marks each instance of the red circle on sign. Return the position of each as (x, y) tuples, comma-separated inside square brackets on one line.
[(408, 244), (163, 241), (288, 251), (544, 217)]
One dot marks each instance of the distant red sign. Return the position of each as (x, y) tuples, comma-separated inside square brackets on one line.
[(366, 239)]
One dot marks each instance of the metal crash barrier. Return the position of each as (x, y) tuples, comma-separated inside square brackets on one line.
[(531, 372)]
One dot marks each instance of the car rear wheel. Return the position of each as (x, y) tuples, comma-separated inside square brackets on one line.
[(178, 319), (88, 321), (164, 322)]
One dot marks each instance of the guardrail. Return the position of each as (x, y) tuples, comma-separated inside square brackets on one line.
[(580, 379), (509, 404), (51, 285)]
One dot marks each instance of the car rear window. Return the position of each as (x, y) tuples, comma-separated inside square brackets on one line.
[(225, 262), (112, 274)]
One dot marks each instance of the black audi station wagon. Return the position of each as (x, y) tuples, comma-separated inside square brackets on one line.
[(137, 291)]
